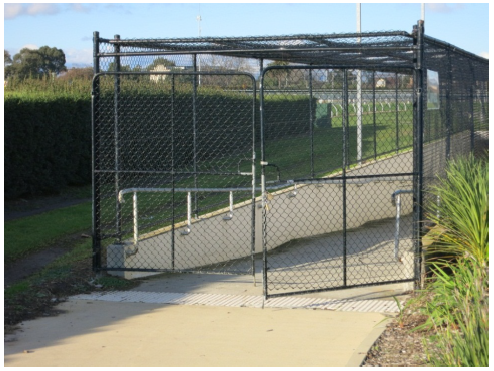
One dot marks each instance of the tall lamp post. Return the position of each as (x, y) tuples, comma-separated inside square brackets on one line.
[(199, 19), (359, 98)]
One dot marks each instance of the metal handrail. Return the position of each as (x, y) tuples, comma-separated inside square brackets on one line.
[(396, 199), (231, 190)]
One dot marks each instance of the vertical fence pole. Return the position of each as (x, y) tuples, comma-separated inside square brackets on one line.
[(311, 128), (96, 223), (449, 127), (345, 164), (172, 113), (471, 108), (194, 134), (418, 73), (116, 103), (396, 110), (263, 190), (374, 112), (253, 209)]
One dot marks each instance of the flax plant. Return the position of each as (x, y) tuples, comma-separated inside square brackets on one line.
[(461, 217)]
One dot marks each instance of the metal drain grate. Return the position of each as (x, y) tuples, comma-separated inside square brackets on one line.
[(220, 300)]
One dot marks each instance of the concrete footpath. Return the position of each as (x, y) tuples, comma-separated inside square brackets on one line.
[(100, 333), (206, 320)]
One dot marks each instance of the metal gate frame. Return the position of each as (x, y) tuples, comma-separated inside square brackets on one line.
[(416, 72), (120, 192)]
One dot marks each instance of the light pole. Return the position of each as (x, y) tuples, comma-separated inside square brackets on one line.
[(359, 97), (199, 19)]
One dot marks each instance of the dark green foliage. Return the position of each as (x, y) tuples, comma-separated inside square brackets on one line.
[(47, 143), (35, 63), (48, 130)]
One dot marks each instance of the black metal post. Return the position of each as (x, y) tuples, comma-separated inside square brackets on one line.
[(263, 187), (311, 128), (172, 114), (418, 145), (344, 124), (449, 128), (253, 210), (471, 109), (116, 103), (96, 223), (396, 110), (194, 134), (374, 112)]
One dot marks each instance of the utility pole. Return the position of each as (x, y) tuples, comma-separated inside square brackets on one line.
[(199, 19), (359, 96)]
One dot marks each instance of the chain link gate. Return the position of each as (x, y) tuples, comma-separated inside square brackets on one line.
[(349, 150), (337, 178), (174, 172)]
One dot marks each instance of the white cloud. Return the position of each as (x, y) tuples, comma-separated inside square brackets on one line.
[(484, 55), (79, 57), (30, 46), (15, 10), (443, 8), (42, 8), (12, 10)]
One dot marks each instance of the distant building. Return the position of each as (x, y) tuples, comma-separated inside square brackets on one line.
[(159, 68), (381, 83)]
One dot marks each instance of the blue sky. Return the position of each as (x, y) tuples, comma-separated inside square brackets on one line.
[(70, 26)]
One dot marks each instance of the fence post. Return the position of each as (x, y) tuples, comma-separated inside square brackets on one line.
[(96, 223), (374, 112), (344, 124), (117, 144), (194, 131), (448, 109), (172, 114), (396, 111), (311, 128), (418, 168)]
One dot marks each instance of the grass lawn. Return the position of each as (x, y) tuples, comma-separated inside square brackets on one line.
[(26, 235)]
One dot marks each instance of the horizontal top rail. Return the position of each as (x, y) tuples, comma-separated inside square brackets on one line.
[(274, 187)]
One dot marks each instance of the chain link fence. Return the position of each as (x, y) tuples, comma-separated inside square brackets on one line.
[(309, 155)]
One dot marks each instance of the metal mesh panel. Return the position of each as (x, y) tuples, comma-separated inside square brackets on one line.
[(172, 158), (344, 150), (351, 131)]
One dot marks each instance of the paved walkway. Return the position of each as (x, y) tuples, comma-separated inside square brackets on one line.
[(99, 333), (212, 321)]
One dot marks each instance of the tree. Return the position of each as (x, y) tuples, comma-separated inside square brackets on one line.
[(7, 59), (281, 73), (38, 62)]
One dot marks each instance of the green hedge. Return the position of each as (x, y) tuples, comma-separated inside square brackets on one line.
[(47, 143), (48, 134)]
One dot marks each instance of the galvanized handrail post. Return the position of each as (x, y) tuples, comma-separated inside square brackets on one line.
[(230, 209), (396, 197), (189, 215), (136, 220)]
